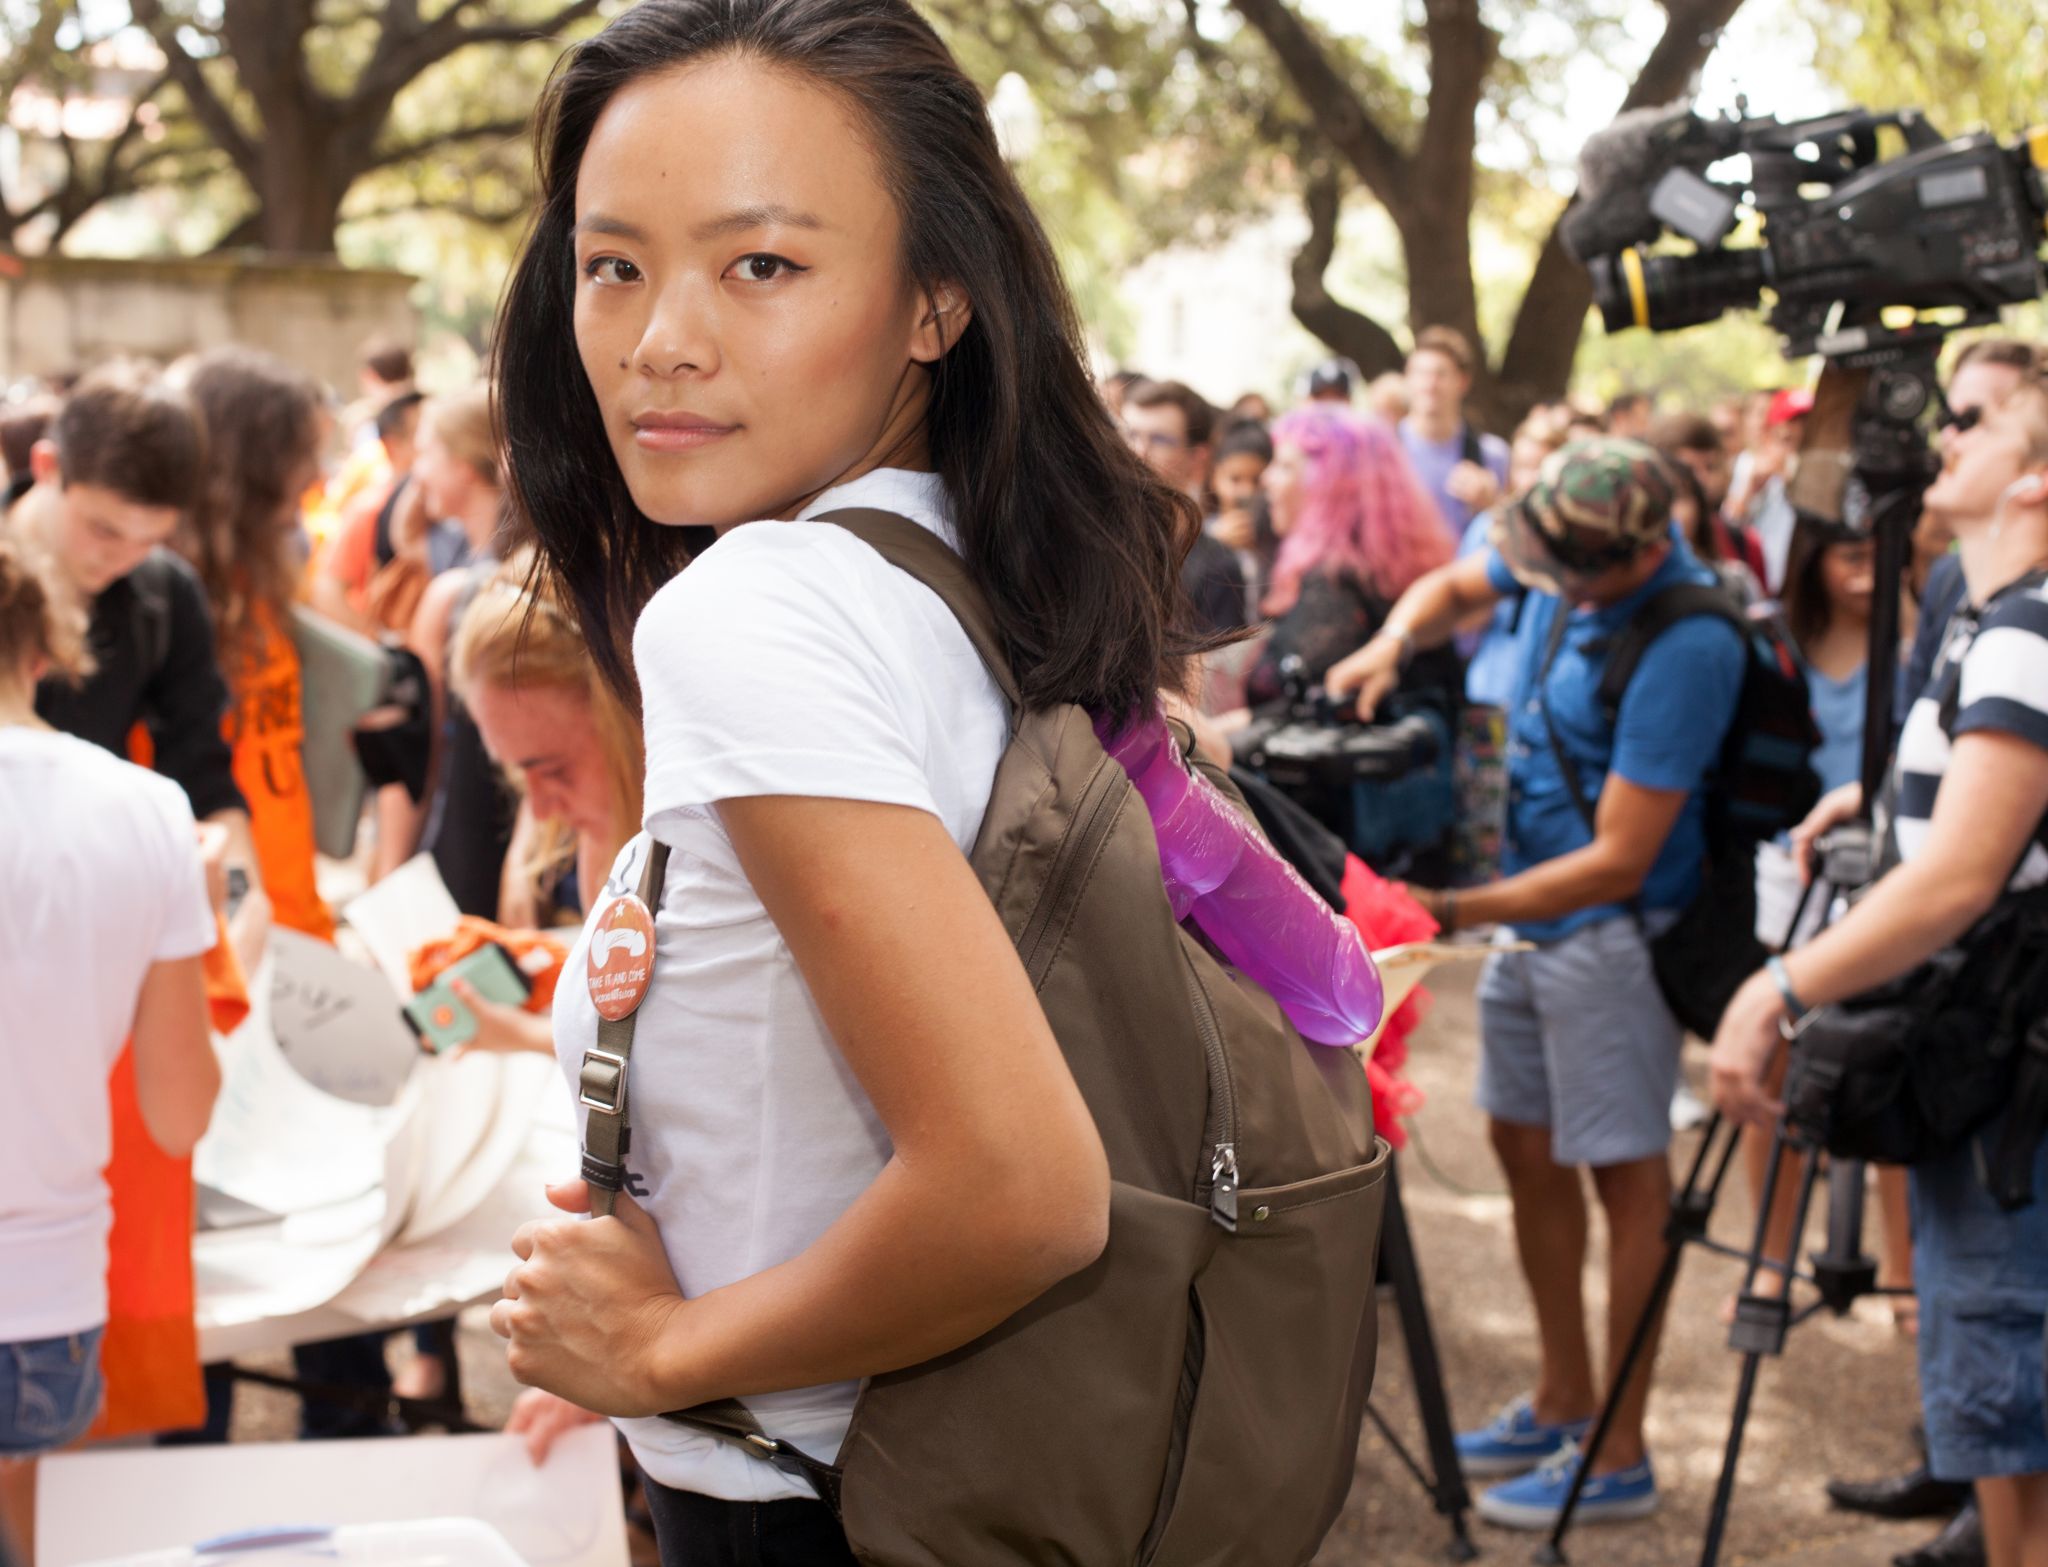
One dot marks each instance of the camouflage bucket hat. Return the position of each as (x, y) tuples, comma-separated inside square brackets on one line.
[(1597, 503)]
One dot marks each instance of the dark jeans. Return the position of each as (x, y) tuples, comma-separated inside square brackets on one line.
[(702, 1531)]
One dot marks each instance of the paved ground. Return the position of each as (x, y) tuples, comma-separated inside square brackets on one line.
[(1840, 1401)]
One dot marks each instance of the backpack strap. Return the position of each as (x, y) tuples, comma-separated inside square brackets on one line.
[(1658, 615), (922, 554), (1469, 448), (607, 1136), (601, 1081), (1567, 769)]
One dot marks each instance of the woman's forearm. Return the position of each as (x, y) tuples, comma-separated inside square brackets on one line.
[(922, 1263), (1900, 923)]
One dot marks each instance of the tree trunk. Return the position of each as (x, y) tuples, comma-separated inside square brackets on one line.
[(1538, 363), (1356, 336)]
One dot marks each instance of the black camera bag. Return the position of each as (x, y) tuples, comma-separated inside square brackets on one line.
[(1908, 1071)]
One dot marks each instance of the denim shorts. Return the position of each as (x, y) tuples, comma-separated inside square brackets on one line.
[(1575, 1036), (1982, 1278), (49, 1392)]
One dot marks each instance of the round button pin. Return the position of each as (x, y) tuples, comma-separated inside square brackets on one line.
[(621, 963)]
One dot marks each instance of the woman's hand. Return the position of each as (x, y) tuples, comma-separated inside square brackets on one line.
[(543, 1419), (1835, 807), (502, 1028), (1234, 528), (1743, 1047), (589, 1307)]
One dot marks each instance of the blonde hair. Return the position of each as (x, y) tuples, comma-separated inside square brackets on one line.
[(38, 620), (462, 421), (514, 635), (2030, 399)]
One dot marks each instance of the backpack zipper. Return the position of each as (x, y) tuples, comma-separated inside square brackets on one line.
[(1221, 1134), (1094, 817)]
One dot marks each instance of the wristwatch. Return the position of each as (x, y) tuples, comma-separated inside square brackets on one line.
[(1406, 638)]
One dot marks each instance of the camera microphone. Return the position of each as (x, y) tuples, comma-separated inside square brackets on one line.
[(1619, 170)]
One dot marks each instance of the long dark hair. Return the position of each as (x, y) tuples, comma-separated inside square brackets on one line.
[(1808, 612), (1076, 545), (262, 422)]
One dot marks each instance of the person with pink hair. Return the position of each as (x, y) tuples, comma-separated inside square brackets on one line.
[(1356, 528)]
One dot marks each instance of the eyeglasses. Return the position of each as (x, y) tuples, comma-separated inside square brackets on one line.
[(1154, 440), (1964, 421)]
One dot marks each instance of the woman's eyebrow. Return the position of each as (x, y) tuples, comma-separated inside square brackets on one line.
[(762, 216), (598, 223)]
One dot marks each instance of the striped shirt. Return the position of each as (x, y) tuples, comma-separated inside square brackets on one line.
[(1991, 674)]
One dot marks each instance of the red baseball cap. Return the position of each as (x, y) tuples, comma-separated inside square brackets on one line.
[(1795, 402)]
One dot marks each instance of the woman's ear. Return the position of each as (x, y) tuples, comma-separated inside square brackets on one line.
[(946, 314)]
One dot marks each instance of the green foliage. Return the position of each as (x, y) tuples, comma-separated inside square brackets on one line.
[(1970, 64)]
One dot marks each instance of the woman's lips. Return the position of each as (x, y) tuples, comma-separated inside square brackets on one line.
[(677, 432)]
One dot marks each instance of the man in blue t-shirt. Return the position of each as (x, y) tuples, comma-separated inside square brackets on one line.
[(1579, 1052), (1463, 470)]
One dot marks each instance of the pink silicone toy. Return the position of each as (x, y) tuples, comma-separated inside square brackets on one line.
[(1249, 901)]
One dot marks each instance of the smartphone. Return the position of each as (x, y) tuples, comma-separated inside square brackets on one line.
[(437, 1015)]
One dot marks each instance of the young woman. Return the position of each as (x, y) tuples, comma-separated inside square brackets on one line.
[(113, 863), (521, 666), (1972, 797), (1356, 528), (780, 268), (465, 820), (262, 422), (1829, 579)]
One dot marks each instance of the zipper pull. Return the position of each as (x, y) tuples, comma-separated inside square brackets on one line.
[(1223, 1187)]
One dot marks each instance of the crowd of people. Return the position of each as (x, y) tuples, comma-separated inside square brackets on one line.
[(603, 688)]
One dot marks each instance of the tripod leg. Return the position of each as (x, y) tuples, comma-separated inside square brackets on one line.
[(1689, 1211), (1760, 1325), (1724, 1489), (1398, 1266)]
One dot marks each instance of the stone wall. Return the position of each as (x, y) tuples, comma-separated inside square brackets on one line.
[(65, 313)]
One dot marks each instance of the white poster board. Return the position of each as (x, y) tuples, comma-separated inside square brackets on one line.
[(566, 1513)]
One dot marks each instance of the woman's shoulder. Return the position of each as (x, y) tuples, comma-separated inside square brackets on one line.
[(764, 575), (796, 594)]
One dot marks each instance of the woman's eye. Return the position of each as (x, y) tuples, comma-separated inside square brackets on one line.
[(611, 269), (763, 268)]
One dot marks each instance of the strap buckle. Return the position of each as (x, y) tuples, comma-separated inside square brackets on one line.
[(601, 1083), (766, 1446)]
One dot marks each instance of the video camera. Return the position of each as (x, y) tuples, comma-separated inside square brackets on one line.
[(1948, 225), (1337, 767)]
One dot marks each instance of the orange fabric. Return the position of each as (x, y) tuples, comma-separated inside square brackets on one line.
[(351, 557), (266, 728), (365, 468), (471, 933), (150, 1354)]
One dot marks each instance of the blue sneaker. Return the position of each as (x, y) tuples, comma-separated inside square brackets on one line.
[(1516, 1441), (1535, 1500)]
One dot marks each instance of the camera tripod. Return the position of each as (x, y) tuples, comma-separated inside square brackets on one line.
[(1840, 1272), (1445, 1480)]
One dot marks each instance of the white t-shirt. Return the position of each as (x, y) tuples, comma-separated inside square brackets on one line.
[(101, 878), (791, 659)]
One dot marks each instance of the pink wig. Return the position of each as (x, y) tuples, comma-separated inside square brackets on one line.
[(1363, 511)]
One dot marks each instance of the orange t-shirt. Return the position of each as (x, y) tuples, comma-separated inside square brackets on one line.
[(266, 729)]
